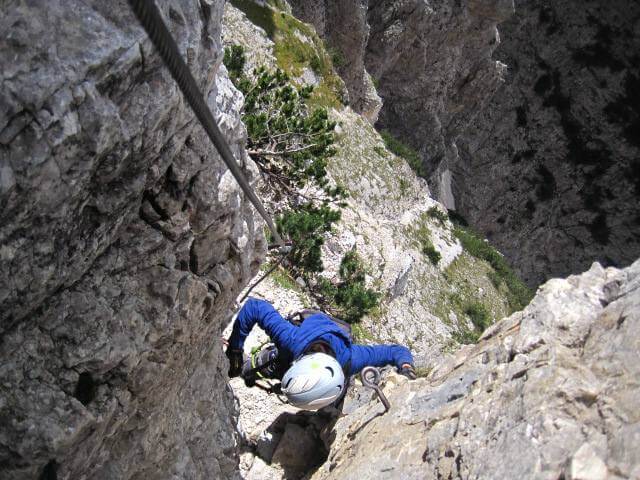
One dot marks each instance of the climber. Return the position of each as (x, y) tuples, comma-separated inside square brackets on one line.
[(314, 359)]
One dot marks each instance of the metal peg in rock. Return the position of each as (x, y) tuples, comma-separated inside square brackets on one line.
[(370, 377)]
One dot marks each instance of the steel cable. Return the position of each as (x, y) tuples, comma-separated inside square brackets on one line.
[(150, 18)]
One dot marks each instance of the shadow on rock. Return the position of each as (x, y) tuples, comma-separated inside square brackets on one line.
[(293, 442)]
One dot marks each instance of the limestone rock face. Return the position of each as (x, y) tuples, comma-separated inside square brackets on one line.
[(123, 242), (433, 66), (343, 25), (550, 392), (550, 170)]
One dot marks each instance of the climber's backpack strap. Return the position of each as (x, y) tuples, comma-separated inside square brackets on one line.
[(298, 317)]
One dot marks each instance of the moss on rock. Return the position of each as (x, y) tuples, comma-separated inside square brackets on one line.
[(297, 47)]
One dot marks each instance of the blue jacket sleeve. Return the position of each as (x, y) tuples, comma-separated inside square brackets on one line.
[(257, 311), (379, 356)]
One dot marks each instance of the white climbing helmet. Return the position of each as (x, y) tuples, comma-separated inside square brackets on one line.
[(313, 381)]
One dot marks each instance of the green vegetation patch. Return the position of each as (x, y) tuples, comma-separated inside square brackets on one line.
[(430, 252), (296, 47), (337, 57), (503, 277), (465, 290), (350, 297), (403, 150), (479, 315), (437, 214), (283, 279), (423, 237), (291, 143), (480, 318), (380, 151)]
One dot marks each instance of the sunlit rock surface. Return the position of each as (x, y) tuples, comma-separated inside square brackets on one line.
[(550, 392)]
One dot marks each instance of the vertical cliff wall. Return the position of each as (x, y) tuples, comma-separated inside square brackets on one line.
[(123, 243), (545, 165), (430, 62), (550, 170), (433, 65)]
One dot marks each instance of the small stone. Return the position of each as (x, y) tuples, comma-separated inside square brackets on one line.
[(586, 465)]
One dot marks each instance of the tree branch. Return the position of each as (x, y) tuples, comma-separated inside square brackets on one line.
[(281, 152)]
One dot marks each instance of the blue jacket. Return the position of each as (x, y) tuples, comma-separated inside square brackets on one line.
[(294, 340)]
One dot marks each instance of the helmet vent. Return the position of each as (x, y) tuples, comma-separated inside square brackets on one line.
[(308, 386)]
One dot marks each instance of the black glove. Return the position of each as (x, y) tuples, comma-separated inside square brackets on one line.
[(236, 359), (409, 372)]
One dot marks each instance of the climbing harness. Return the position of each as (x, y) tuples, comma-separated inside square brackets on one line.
[(370, 377), (150, 18), (263, 362)]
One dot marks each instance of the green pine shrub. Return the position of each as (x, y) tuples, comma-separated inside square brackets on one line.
[(304, 227), (350, 298), (290, 142), (234, 60)]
